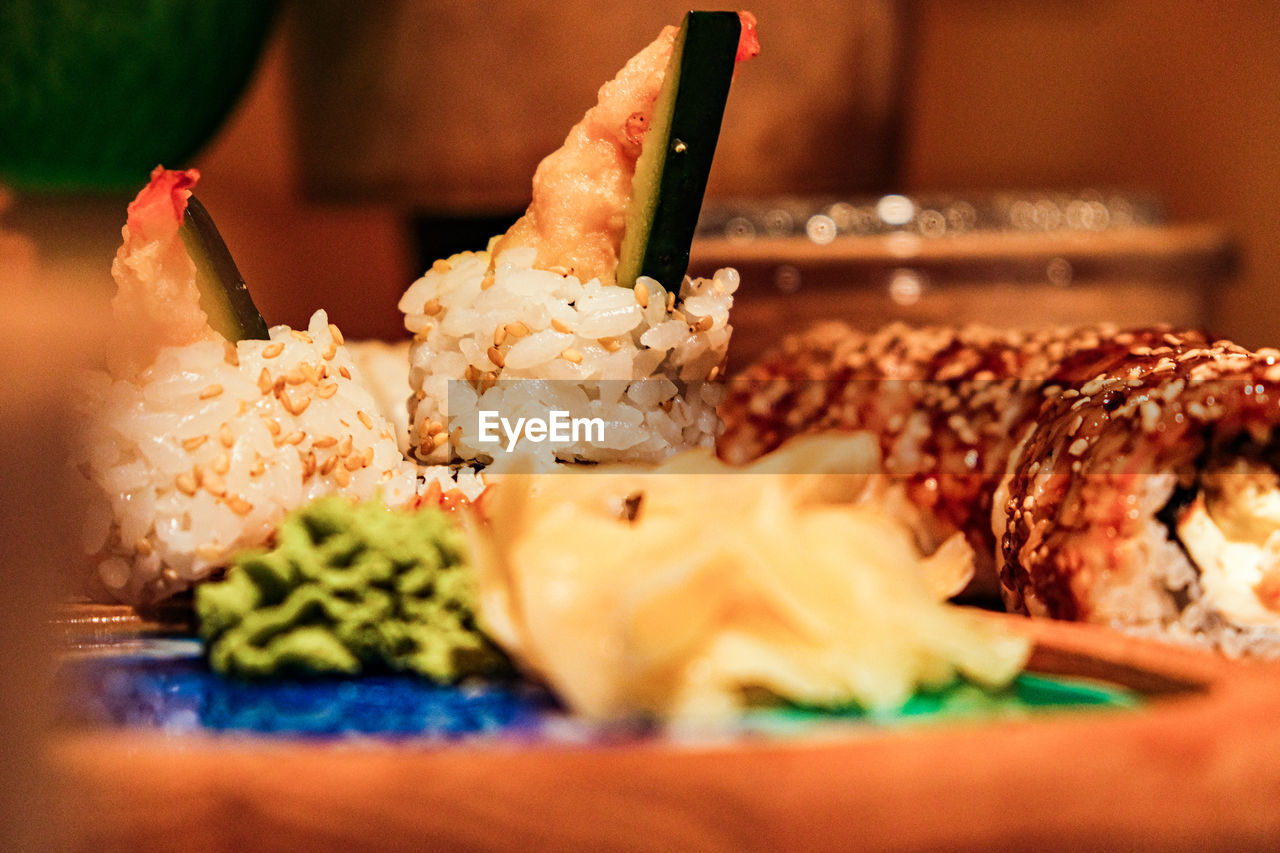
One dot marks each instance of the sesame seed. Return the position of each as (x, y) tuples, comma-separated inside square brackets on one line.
[(327, 391), (186, 483), (341, 476), (715, 372), (327, 465), (302, 336), (499, 335), (272, 350), (610, 344), (259, 467), (368, 455), (441, 266), (264, 381), (211, 391), (324, 441), (364, 419), (226, 436), (222, 464), (487, 282), (642, 294), (194, 442), (337, 334), (344, 447), (344, 373), (671, 301), (273, 425), (214, 485), (309, 464), (432, 428), (239, 505), (1150, 415), (703, 324), (295, 438), (294, 405), (354, 462), (329, 353), (209, 553), (517, 329), (495, 355), (143, 546), (432, 308), (572, 355), (559, 326), (439, 439)]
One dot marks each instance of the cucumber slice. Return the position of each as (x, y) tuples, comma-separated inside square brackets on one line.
[(223, 294), (671, 173)]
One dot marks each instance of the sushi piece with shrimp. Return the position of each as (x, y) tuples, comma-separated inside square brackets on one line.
[(564, 314), (195, 444)]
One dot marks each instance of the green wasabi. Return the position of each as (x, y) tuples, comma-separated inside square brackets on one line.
[(350, 588)]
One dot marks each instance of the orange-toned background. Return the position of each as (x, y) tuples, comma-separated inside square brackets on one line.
[(1179, 98)]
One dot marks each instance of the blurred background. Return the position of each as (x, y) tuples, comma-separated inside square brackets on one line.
[(367, 141)]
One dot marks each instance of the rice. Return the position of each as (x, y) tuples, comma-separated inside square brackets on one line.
[(644, 361), (203, 454), (384, 367)]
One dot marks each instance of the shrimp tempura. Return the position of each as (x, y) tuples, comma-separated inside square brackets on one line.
[(580, 191), (157, 302)]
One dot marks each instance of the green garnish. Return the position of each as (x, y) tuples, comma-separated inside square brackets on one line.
[(350, 588)]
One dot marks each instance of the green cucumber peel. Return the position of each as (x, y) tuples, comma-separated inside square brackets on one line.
[(675, 161), (223, 294)]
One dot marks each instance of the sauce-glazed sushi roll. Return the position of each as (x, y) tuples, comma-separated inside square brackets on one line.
[(948, 406), (1146, 495)]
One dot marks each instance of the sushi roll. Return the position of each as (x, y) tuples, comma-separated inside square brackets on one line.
[(1146, 496), (947, 405), (194, 446), (568, 296), (643, 360)]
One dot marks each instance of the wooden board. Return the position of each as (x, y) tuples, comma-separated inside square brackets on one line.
[(1197, 767)]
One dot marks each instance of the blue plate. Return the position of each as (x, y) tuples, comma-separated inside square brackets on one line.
[(164, 684)]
